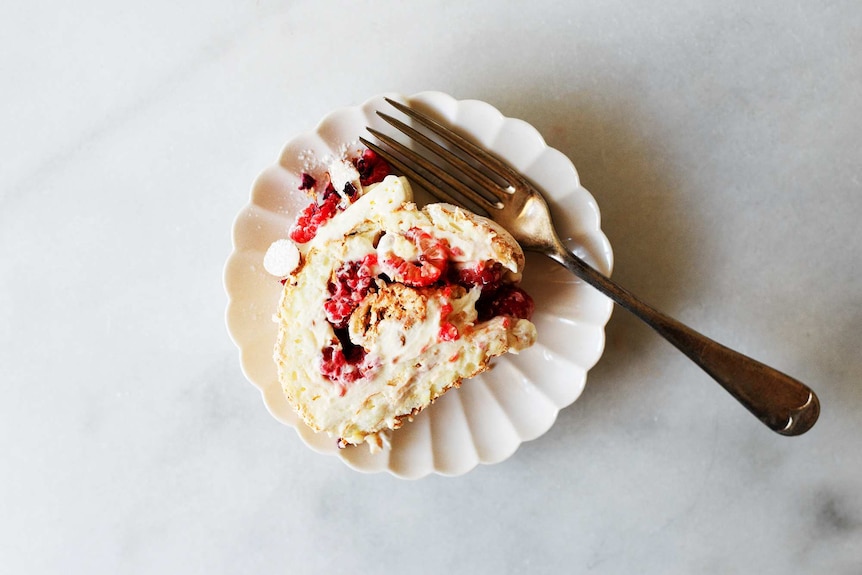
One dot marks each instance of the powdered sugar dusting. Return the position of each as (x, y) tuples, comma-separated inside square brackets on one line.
[(312, 164)]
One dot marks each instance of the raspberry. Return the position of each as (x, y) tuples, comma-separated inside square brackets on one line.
[(371, 167), (353, 281), (433, 259), (433, 250), (338, 369), (411, 274), (342, 362), (488, 277), (312, 217), (509, 301)]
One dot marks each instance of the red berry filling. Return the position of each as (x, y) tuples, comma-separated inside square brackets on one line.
[(433, 259), (353, 281), (343, 363), (314, 216), (411, 274), (487, 275), (497, 298), (371, 167), (448, 330), (508, 300)]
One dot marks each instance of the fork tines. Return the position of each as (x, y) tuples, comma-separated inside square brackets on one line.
[(432, 176)]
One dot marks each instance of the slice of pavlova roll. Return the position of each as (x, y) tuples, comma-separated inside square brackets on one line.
[(389, 306)]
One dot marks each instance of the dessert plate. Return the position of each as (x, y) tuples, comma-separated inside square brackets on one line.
[(492, 414)]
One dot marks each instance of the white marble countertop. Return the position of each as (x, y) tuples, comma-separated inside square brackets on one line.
[(721, 140)]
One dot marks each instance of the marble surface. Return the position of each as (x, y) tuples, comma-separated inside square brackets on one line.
[(721, 140)]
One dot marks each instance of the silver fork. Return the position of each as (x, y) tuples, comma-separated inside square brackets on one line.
[(785, 405)]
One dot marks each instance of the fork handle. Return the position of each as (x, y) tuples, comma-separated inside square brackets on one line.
[(783, 404)]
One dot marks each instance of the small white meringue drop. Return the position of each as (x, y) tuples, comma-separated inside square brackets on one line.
[(281, 258), (341, 173)]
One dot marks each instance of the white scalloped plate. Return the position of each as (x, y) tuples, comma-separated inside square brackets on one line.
[(491, 415)]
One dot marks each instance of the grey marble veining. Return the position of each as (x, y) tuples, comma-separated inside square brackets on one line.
[(722, 143)]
